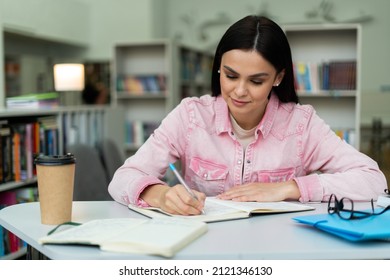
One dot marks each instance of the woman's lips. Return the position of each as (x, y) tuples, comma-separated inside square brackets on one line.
[(239, 103)]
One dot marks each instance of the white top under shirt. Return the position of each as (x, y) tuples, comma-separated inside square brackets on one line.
[(245, 137)]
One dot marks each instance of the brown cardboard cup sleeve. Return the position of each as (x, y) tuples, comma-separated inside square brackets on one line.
[(55, 176)]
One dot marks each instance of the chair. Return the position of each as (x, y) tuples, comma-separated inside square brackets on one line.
[(90, 181), (111, 156)]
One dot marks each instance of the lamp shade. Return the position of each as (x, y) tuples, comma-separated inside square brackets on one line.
[(68, 77)]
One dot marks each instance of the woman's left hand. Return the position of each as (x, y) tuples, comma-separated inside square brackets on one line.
[(263, 192)]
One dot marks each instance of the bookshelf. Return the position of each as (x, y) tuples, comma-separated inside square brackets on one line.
[(331, 54), (48, 131), (195, 71), (150, 78)]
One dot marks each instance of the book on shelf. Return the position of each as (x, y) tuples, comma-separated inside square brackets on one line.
[(199, 76), (186, 65), (137, 132), (307, 76), (48, 135), (11, 242), (333, 75), (142, 85), (348, 135), (163, 237), (342, 75), (71, 130), (82, 127), (33, 100), (16, 154), (20, 141), (24, 150), (2, 236), (221, 210), (5, 153), (304, 77), (20, 151)]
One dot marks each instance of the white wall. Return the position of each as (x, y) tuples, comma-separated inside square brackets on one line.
[(49, 19), (117, 21)]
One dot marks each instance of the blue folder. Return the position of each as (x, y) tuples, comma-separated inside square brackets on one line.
[(371, 228)]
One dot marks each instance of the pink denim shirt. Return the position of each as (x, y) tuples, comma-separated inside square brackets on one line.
[(291, 142)]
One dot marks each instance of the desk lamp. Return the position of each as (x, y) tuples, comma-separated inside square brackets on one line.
[(69, 77)]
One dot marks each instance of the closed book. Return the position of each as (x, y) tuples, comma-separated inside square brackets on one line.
[(16, 165), (162, 237), (6, 154), (302, 73), (14, 242)]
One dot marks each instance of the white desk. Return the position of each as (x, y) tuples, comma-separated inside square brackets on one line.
[(268, 237)]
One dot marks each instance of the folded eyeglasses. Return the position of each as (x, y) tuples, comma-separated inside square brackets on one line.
[(344, 208)]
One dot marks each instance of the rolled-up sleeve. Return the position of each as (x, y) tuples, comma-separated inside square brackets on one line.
[(149, 164), (335, 167)]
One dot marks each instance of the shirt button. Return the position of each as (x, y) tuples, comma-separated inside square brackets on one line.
[(239, 162), (205, 175), (248, 161)]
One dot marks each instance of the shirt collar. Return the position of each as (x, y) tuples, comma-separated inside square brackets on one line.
[(269, 115), (223, 123), (222, 116)]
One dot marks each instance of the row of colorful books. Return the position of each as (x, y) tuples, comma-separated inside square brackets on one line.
[(85, 127), (139, 85), (137, 132), (195, 67), (21, 140), (333, 75), (9, 242)]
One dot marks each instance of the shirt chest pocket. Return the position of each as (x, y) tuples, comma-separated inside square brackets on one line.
[(274, 176), (207, 177)]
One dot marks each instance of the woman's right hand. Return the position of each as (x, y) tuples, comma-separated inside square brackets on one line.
[(175, 200)]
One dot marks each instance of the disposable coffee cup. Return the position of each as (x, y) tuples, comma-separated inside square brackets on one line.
[(55, 176)]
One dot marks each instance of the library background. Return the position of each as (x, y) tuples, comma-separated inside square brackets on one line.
[(142, 57)]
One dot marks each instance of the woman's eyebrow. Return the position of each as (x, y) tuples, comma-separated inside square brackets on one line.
[(252, 76)]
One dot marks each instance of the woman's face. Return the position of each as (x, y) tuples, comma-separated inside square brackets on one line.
[(246, 80)]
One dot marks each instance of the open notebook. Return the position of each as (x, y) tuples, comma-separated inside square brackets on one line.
[(221, 210), (162, 237)]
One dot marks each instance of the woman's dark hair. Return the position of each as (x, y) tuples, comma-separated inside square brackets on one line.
[(268, 39)]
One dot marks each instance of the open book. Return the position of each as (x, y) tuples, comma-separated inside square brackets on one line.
[(162, 237), (221, 210)]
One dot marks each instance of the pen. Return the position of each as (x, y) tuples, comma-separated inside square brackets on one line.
[(181, 180)]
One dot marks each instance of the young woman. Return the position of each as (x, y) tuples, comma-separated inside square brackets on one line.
[(250, 140)]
